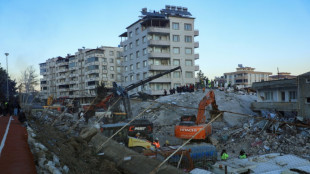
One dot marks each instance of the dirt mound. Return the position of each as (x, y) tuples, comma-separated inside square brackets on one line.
[(74, 152)]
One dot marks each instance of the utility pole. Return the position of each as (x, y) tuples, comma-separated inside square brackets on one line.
[(7, 79)]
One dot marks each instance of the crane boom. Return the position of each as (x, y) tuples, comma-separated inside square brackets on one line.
[(142, 82)]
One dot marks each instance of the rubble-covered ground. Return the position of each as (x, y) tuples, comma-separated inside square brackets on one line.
[(56, 152), (234, 132)]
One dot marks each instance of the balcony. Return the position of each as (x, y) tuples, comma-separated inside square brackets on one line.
[(196, 67), (196, 32), (159, 67), (196, 56), (62, 70), (92, 71), (161, 80), (73, 75), (104, 71), (93, 63), (159, 55), (196, 44), (61, 77), (63, 83), (92, 79), (280, 106), (62, 64), (63, 89), (158, 30), (90, 87), (74, 88), (159, 42), (73, 68), (73, 82)]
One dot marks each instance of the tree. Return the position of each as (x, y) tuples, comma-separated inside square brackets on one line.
[(201, 78), (29, 80), (3, 86)]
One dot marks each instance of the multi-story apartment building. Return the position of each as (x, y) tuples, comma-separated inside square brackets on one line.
[(281, 76), (157, 42), (245, 76), (76, 76)]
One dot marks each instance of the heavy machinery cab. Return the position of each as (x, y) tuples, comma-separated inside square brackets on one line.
[(142, 126), (187, 123), (191, 118)]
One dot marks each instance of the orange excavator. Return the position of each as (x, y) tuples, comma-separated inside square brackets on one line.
[(190, 125)]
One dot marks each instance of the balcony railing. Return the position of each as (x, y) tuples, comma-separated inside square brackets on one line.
[(159, 42), (196, 44), (159, 67), (196, 32), (196, 67), (158, 30), (159, 55), (196, 56)]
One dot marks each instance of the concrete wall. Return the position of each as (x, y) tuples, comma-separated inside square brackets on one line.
[(304, 88)]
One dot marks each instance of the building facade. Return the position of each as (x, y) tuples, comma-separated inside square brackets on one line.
[(157, 42), (76, 76), (281, 76), (245, 76), (288, 95)]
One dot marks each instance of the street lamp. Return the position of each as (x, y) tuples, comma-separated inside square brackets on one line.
[(7, 79)]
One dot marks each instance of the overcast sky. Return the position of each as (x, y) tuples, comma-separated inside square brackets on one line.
[(264, 34)]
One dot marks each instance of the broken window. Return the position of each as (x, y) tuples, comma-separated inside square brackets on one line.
[(308, 100), (308, 80)]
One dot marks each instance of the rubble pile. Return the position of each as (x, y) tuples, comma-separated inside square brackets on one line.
[(262, 139)]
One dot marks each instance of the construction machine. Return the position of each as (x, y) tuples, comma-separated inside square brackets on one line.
[(190, 125)]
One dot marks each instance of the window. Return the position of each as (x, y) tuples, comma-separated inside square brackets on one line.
[(131, 67), (118, 69), (292, 95), (308, 100), (137, 30), (118, 77), (104, 67), (92, 67), (111, 60), (126, 68), (188, 63), (137, 42), (130, 34), (188, 27), (144, 75), (126, 79), (131, 56), (176, 74), (188, 39), (143, 39), (138, 76), (176, 38), (130, 45), (176, 62), (92, 59), (131, 78), (137, 54), (268, 95), (282, 96), (111, 53), (308, 80), (104, 59), (188, 74), (144, 51), (156, 37), (188, 51), (125, 47), (175, 26), (144, 63), (118, 61), (112, 76), (111, 68), (176, 50), (138, 65)]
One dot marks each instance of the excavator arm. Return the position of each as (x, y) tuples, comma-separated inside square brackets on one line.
[(209, 98)]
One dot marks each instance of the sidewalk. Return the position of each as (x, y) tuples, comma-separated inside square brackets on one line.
[(15, 155)]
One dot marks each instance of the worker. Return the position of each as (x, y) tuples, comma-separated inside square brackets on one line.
[(167, 144), (242, 154), (165, 92), (224, 155), (156, 143), (137, 135), (203, 89)]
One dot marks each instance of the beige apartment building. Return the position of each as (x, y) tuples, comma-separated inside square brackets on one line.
[(76, 76), (157, 42), (245, 76)]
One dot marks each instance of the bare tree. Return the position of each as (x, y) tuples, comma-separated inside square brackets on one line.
[(29, 80)]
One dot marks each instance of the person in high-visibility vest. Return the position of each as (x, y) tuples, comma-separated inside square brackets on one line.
[(156, 143), (242, 154), (224, 155)]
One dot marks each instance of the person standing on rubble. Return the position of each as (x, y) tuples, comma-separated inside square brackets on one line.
[(242, 154), (224, 155), (156, 143), (165, 92)]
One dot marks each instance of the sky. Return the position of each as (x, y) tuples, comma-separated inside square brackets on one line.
[(262, 34)]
